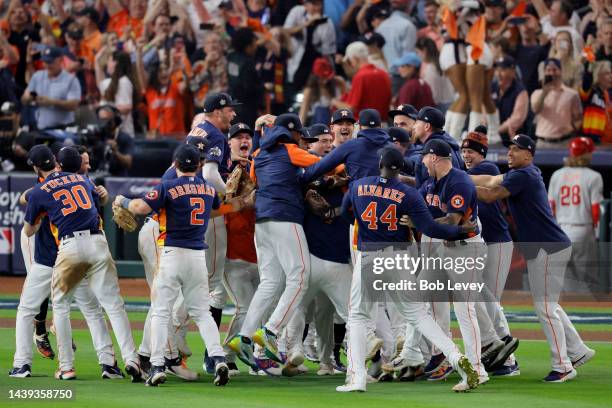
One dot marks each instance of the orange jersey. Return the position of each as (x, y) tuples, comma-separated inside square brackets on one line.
[(123, 21)]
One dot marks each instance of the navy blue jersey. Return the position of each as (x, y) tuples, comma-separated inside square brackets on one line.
[(529, 207), (378, 204), (184, 206), (494, 225), (45, 246), (454, 193), (68, 199), (218, 149), (170, 174), (420, 170)]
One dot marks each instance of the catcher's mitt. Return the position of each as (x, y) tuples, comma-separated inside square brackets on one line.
[(318, 205), (238, 184), (124, 219)]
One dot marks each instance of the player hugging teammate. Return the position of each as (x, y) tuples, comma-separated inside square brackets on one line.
[(285, 251)]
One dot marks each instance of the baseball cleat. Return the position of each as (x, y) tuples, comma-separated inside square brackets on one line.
[(65, 375), (588, 356), (510, 345), (374, 345), (209, 363), (157, 376), (290, 370), (44, 346), (442, 374), (296, 358), (339, 366), (133, 369), (233, 369), (507, 371), (266, 339), (557, 377), (350, 386), (469, 376), (396, 364), (385, 377), (21, 372), (243, 347), (483, 379), (326, 369), (178, 368), (145, 366), (221, 372), (399, 346), (267, 366), (412, 373), (490, 353), (310, 352), (111, 372), (434, 363)]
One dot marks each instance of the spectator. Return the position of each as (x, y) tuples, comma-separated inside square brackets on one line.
[(312, 35), (556, 19), (88, 18), (595, 95), (118, 158), (76, 54), (511, 99), (529, 53), (442, 90), (22, 33), (9, 54), (123, 20), (54, 92), (209, 69), (121, 89), (494, 15), (370, 87), (272, 68), (556, 106), (398, 30), (375, 43), (371, 15), (159, 46), (433, 29), (604, 41), (320, 89), (244, 83), (415, 91), (563, 50)]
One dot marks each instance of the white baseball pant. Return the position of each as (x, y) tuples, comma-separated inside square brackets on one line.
[(27, 250), (580, 276), (180, 269), (90, 252), (149, 252), (284, 262), (216, 239)]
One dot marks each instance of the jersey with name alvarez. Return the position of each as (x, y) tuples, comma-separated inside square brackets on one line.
[(378, 203), (68, 199), (184, 206)]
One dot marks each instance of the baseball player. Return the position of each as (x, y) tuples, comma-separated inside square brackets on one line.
[(282, 250), (186, 204), (342, 126), (378, 202), (69, 199), (498, 343), (575, 192), (546, 248)]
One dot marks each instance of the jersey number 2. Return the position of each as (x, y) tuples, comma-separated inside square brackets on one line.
[(388, 217), (72, 199), (200, 206), (570, 195)]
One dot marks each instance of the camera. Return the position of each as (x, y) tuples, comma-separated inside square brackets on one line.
[(548, 79)]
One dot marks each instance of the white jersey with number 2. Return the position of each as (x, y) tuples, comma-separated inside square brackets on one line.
[(573, 190)]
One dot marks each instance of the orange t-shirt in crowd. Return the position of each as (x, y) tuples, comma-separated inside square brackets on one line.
[(93, 42), (166, 111), (122, 20)]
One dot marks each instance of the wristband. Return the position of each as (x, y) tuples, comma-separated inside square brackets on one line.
[(125, 202)]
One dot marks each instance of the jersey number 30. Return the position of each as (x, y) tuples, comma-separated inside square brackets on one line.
[(73, 199), (388, 217), (200, 207)]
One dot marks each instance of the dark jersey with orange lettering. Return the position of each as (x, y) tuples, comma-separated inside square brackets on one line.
[(453, 193), (378, 204), (68, 200), (184, 206)]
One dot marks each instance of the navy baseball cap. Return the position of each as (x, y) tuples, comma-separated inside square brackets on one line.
[(187, 156), (407, 110), (199, 143), (290, 121), (219, 100), (343, 114), (373, 38), (42, 157), (438, 147), (318, 129), (308, 137), (505, 62), (70, 159), (51, 53), (391, 158), (238, 128), (399, 135), (524, 142), (432, 116), (369, 117)]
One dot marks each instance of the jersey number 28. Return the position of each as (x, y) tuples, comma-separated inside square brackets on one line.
[(570, 195), (389, 216), (73, 199)]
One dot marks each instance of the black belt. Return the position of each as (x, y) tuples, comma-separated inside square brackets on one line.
[(559, 140), (71, 235), (452, 244)]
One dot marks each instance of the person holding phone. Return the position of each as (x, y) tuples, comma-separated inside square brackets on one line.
[(557, 107)]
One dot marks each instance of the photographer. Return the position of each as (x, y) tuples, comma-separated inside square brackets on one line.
[(114, 149)]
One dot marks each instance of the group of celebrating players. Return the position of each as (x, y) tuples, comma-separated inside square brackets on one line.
[(291, 269)]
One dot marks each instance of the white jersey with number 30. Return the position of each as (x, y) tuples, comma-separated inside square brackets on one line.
[(573, 190)]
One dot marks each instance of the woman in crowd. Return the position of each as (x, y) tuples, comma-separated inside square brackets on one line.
[(562, 48), (320, 89), (441, 88), (597, 103)]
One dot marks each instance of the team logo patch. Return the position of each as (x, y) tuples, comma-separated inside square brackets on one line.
[(215, 151), (152, 195), (198, 131), (457, 201)]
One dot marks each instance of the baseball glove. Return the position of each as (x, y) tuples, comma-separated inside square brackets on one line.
[(238, 184), (318, 205), (124, 219)]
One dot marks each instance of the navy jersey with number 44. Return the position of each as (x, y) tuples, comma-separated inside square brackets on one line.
[(379, 203), (68, 200), (184, 206)]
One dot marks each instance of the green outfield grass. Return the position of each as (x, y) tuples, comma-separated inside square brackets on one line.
[(590, 389)]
